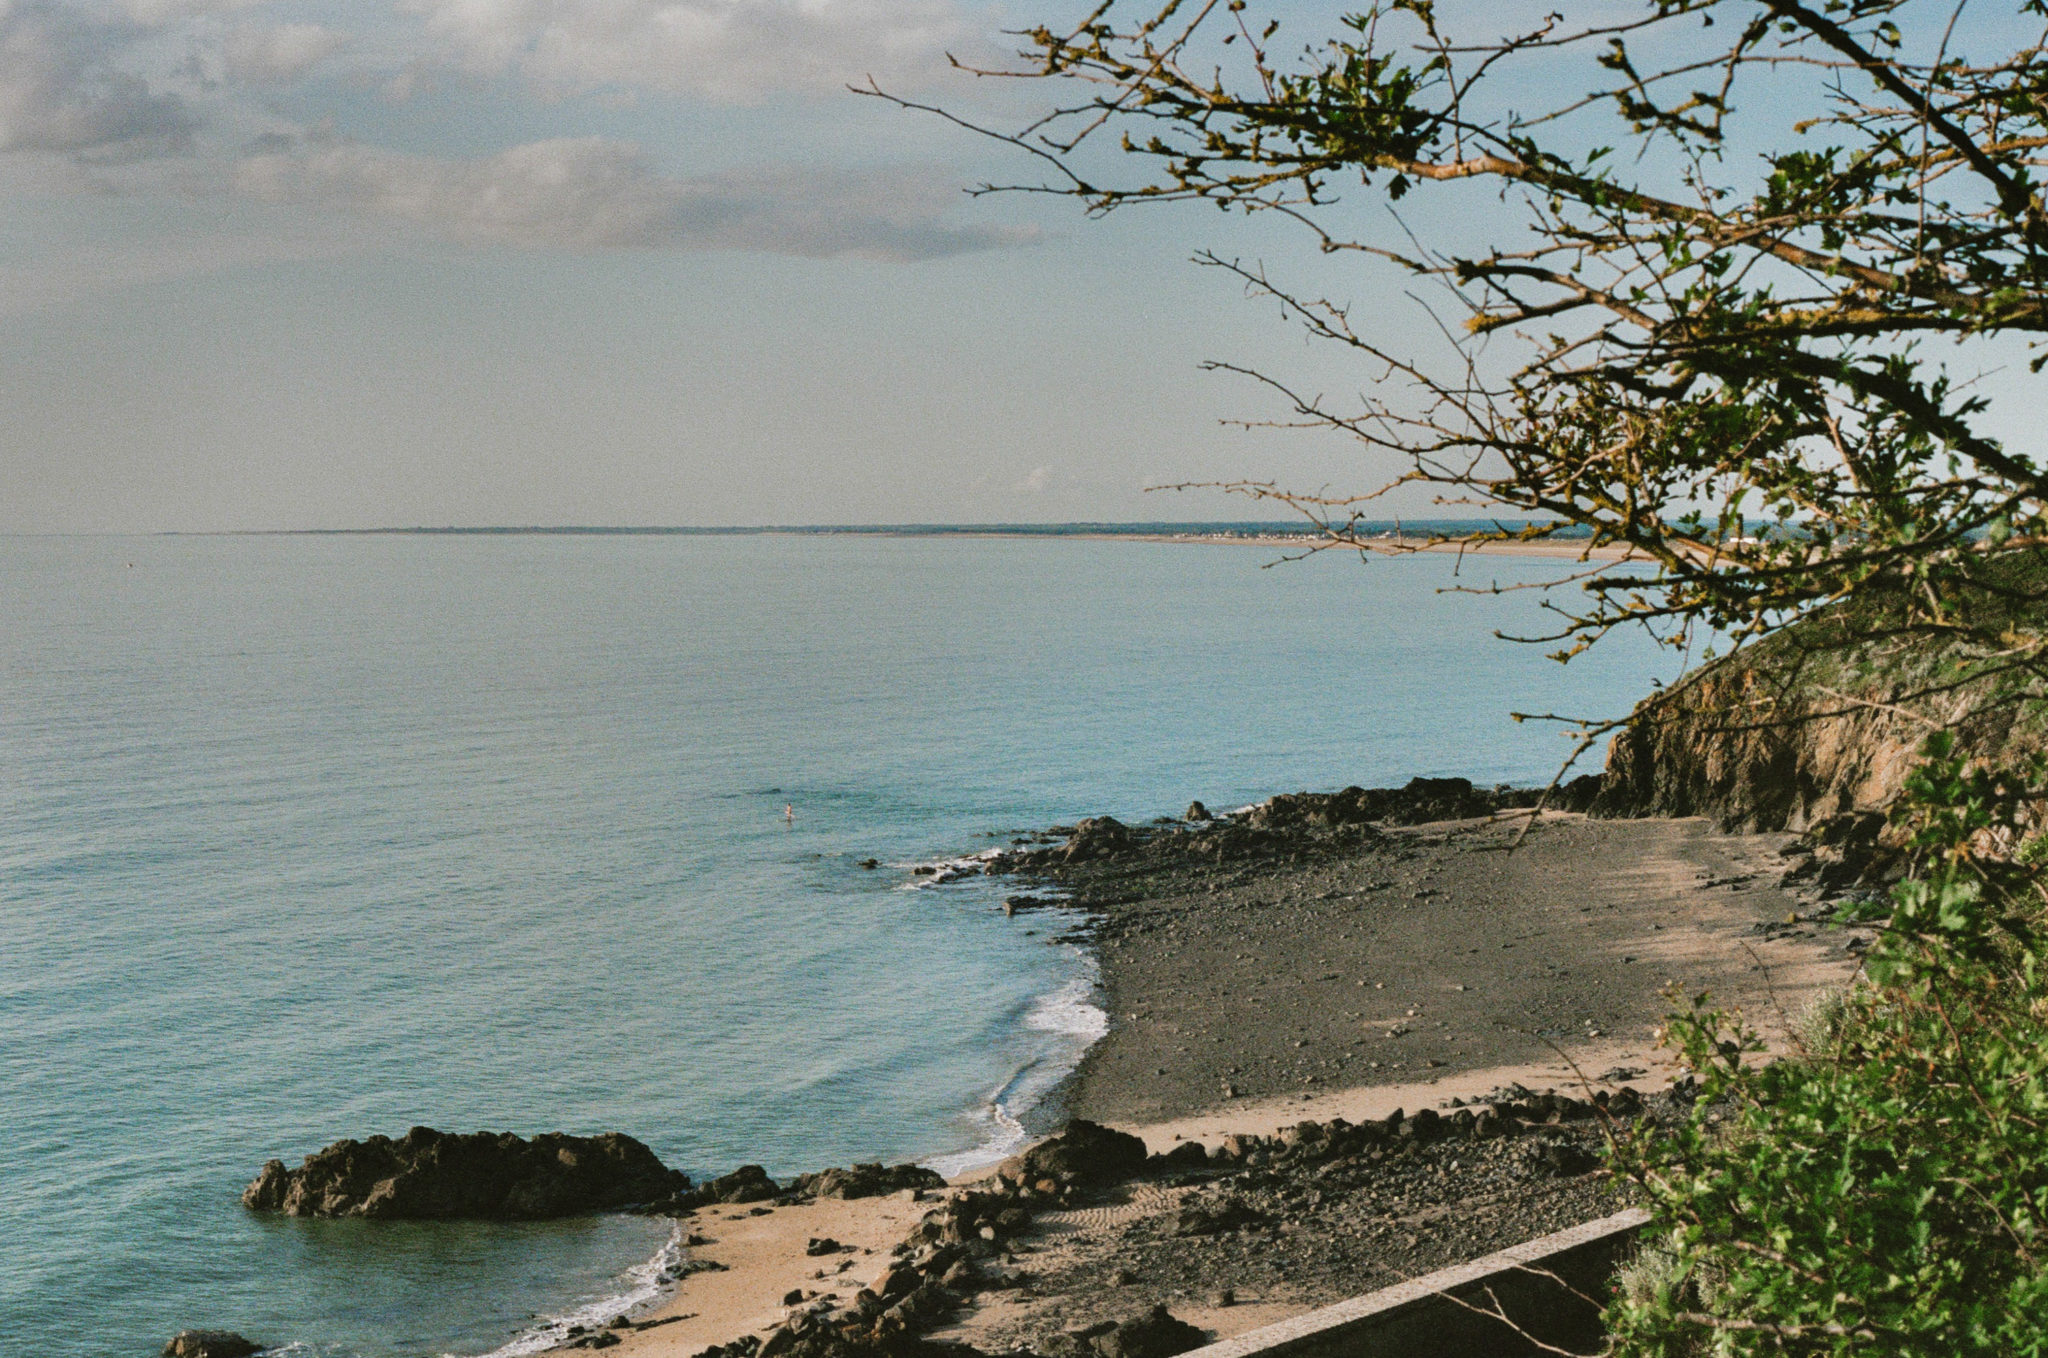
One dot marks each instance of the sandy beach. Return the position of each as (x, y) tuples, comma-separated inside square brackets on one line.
[(1428, 966), (761, 1258)]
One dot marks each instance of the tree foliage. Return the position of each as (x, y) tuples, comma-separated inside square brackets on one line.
[(1742, 222)]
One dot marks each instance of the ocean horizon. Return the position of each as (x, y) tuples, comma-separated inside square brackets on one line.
[(324, 835)]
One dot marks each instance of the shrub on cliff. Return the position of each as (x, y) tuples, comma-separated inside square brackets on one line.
[(1886, 1191)]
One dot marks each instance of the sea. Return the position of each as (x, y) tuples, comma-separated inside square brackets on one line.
[(304, 837)]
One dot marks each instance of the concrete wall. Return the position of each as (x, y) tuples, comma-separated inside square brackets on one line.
[(1533, 1283)]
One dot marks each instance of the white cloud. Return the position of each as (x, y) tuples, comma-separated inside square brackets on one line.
[(280, 54), (733, 50), (60, 90), (590, 193)]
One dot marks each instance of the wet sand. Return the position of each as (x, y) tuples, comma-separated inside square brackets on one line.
[(1442, 951), (761, 1259)]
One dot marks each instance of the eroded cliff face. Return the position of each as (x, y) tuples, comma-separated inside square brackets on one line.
[(1761, 744)]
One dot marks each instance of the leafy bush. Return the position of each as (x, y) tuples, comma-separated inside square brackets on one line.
[(1884, 1191)]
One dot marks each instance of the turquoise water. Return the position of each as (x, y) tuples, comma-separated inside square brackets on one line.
[(306, 837)]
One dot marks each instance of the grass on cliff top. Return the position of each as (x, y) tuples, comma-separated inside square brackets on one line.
[(1990, 647)]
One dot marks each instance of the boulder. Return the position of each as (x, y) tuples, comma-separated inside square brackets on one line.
[(1085, 1155), (1156, 1334), (1096, 837), (210, 1344), (1561, 1159), (1187, 1155), (487, 1175), (1215, 1218), (748, 1183), (1579, 794)]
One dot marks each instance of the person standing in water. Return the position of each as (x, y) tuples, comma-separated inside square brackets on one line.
[(789, 813)]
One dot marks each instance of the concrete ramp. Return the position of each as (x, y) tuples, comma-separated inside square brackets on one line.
[(1550, 1288)]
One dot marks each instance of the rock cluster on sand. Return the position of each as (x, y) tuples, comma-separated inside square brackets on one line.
[(956, 1250), (210, 1344), (1318, 1212), (497, 1175), (864, 1181), (1248, 1192), (751, 1183)]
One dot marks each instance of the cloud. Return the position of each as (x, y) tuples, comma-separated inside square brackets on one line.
[(59, 90), (280, 54), (589, 193), (157, 12), (731, 50)]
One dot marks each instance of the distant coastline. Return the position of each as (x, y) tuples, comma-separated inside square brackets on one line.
[(1390, 534), (1084, 528)]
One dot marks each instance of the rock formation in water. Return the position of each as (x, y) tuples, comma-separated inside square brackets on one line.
[(430, 1174), (210, 1344)]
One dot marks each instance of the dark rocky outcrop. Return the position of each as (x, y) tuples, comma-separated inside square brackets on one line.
[(1420, 801), (748, 1183), (1096, 837), (210, 1344), (752, 1183), (1292, 823), (430, 1174)]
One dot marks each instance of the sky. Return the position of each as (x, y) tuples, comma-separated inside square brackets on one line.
[(323, 265), (306, 264)]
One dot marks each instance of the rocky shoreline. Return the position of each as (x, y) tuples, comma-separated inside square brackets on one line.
[(1091, 1245), (1276, 979), (1269, 970), (1298, 948)]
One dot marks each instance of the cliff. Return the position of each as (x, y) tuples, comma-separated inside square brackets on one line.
[(1819, 721)]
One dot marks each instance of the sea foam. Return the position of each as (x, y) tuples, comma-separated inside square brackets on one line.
[(645, 1283)]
